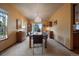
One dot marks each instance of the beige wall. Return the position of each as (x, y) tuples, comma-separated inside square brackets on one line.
[(62, 30), (13, 14)]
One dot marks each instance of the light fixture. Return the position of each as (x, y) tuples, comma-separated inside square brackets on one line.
[(38, 19)]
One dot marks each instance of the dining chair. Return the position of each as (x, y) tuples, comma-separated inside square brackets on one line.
[(37, 39)]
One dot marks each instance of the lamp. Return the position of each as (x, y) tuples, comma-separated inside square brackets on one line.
[(47, 28)]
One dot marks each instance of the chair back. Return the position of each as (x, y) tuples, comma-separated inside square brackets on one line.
[(37, 39)]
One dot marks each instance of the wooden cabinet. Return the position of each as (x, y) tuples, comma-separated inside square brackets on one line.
[(20, 36), (76, 40), (51, 35)]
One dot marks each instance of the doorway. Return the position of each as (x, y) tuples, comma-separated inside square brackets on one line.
[(37, 27), (75, 28)]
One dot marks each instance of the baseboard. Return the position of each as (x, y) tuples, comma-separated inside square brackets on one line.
[(8, 47), (63, 45)]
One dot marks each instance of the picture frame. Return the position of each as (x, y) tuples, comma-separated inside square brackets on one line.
[(50, 23), (55, 22)]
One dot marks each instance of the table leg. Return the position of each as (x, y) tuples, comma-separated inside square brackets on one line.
[(46, 43), (30, 42)]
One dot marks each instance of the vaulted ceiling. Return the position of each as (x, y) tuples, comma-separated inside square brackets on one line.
[(43, 10)]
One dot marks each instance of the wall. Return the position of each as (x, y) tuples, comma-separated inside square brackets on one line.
[(45, 23), (62, 29), (13, 14)]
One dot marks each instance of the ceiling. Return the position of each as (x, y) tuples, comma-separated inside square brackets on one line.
[(33, 10)]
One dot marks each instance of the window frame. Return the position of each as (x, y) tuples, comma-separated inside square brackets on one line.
[(5, 15)]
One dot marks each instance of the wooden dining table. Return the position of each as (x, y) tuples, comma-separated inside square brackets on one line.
[(44, 37)]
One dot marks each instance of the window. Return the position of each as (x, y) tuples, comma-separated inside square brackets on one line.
[(37, 27), (77, 25), (3, 24)]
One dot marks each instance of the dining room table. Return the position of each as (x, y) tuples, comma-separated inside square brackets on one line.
[(45, 37)]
